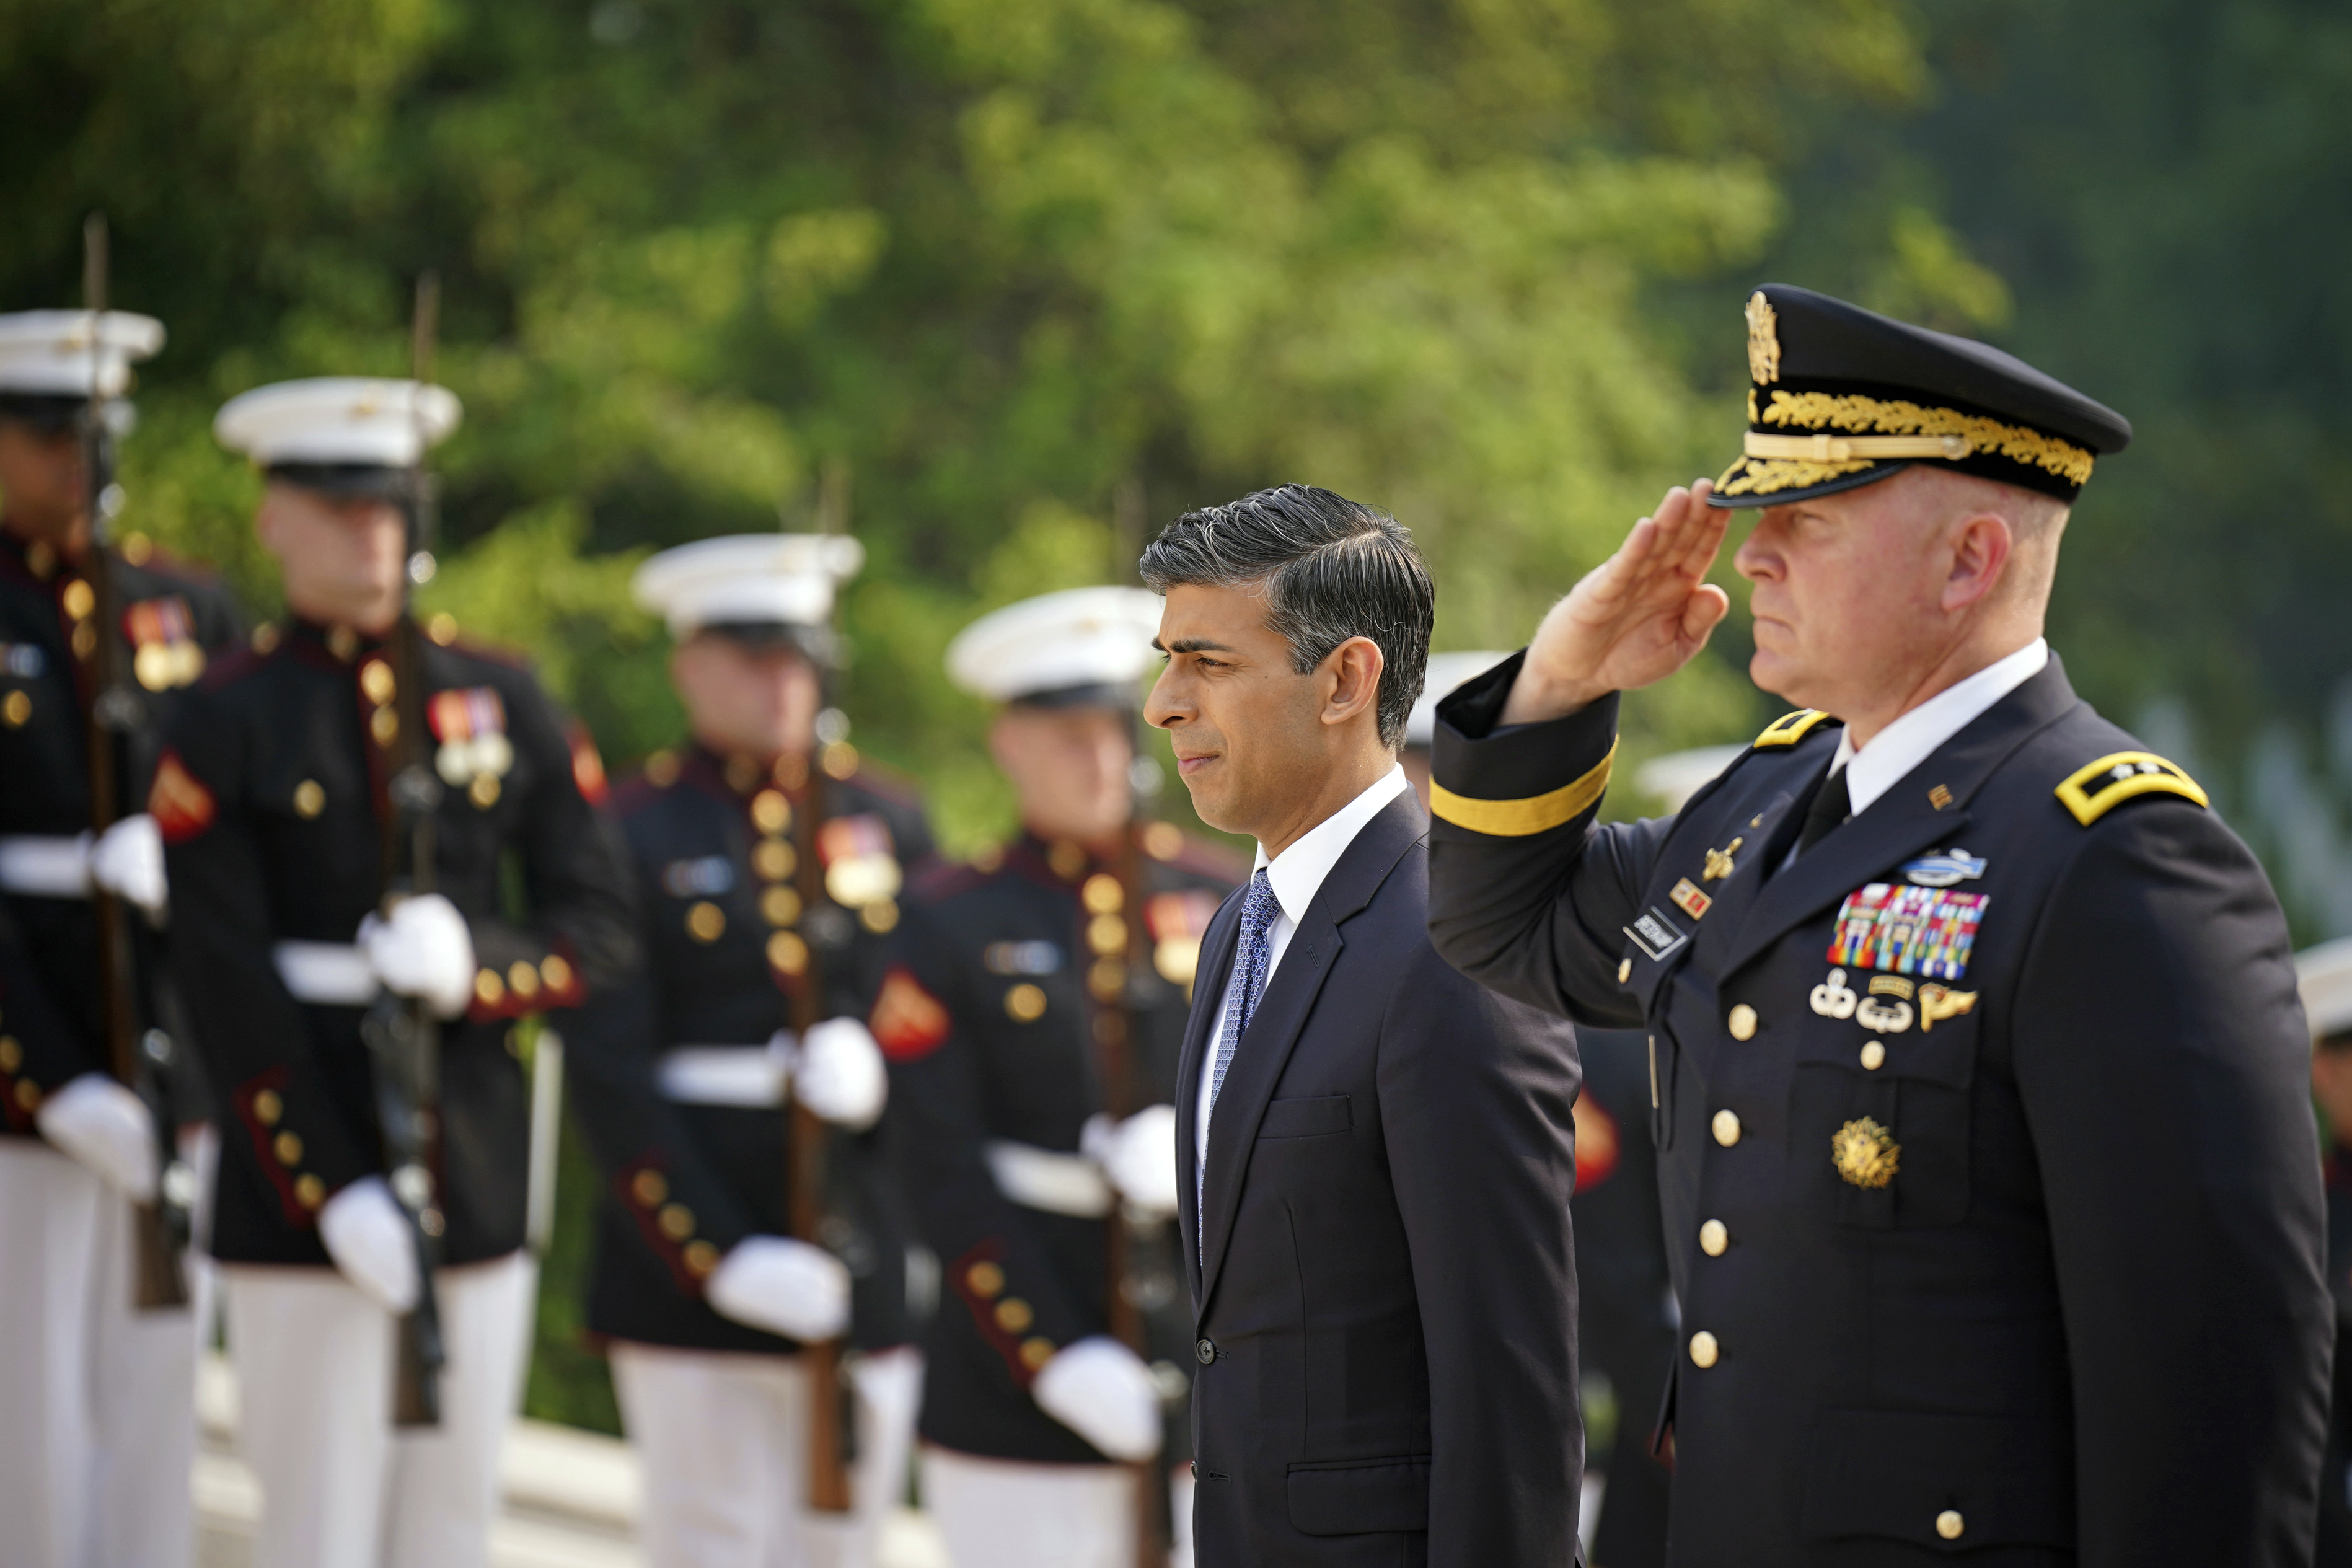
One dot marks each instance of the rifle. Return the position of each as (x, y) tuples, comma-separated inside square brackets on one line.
[(1124, 1094), (159, 1229), (831, 1435), (404, 1039)]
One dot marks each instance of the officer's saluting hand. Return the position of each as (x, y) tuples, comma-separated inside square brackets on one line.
[(1988, 1176)]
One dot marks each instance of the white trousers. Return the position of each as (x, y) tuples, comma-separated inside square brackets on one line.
[(723, 1440), (1013, 1513), (97, 1426), (340, 1488)]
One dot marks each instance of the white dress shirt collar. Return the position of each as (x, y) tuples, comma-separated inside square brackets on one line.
[(1297, 874), (1873, 769)]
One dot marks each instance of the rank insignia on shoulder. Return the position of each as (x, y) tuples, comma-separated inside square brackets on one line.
[(1907, 931), (2097, 788), (1689, 900), (1789, 727), (1944, 870)]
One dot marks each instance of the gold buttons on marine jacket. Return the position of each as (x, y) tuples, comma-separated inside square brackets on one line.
[(771, 812), (1013, 1315), (1704, 1351), (706, 921), (1024, 1003), (309, 800), (1714, 1238), (1742, 1022), (1873, 1056), (1102, 894), (1949, 1524), (1727, 1128)]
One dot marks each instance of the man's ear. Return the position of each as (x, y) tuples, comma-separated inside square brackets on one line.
[(1982, 544), (1354, 668)]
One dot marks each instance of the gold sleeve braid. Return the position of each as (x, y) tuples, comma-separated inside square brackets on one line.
[(1521, 818)]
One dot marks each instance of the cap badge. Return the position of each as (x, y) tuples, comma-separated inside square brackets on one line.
[(1763, 340), (1866, 1153)]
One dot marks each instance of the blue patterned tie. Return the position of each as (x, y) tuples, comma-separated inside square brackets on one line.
[(1259, 910)]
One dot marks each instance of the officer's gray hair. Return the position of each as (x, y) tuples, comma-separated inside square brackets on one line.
[(1329, 568)]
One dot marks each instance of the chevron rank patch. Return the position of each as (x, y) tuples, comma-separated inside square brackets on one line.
[(2097, 788), (1905, 930), (908, 1021), (182, 807)]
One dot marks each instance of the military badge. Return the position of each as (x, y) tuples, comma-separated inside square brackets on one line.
[(22, 661), (1833, 998), (708, 877), (1907, 929), (860, 867), (1937, 1003), (1866, 1153), (1177, 922), (475, 754), (1720, 862), (164, 652), (1763, 339), (1944, 870), (1689, 900), (1885, 1017)]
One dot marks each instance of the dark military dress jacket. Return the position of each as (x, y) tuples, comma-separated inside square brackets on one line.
[(672, 1078), (1987, 1171), (271, 799), (1004, 980), (173, 622)]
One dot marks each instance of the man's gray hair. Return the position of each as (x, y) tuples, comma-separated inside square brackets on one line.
[(1330, 569)]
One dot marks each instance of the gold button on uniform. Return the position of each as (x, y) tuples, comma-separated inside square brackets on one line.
[(1713, 1239), (705, 922), (489, 989), (1873, 1056), (309, 1191), (375, 681), (1743, 1022), (310, 799), (1036, 1352), (1949, 1524), (986, 1281), (702, 1259), (384, 725), (648, 1188), (1625, 971), (1102, 894), (14, 710), (773, 859), (770, 811), (1013, 1315), (1727, 1128), (288, 1148), (677, 1221), (78, 598), (780, 906), (1704, 1349), (522, 979), (555, 971), (788, 953), (12, 1055), (1024, 1003)]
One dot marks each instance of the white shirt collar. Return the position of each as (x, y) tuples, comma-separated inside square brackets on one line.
[(1903, 745), (1297, 874)]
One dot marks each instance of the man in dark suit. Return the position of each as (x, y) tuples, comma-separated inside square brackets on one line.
[(1977, 1073), (1375, 1156)]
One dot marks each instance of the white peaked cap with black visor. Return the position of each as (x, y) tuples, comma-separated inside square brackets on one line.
[(2323, 976), (749, 583), (1080, 645), (62, 353), (338, 421)]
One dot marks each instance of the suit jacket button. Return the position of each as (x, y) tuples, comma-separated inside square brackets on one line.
[(1743, 1022), (1949, 1524), (1704, 1351), (1727, 1128), (1205, 1352), (1714, 1238)]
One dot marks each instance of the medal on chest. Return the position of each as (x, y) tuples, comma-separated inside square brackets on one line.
[(475, 754)]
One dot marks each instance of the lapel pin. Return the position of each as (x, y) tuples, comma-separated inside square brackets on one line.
[(1719, 863), (1689, 900), (1939, 797)]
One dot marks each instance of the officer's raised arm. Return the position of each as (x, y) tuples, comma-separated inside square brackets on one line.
[(1526, 895)]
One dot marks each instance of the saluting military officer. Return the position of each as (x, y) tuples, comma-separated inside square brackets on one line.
[(682, 1076), (274, 797), (1985, 1154), (96, 1424), (1033, 1021)]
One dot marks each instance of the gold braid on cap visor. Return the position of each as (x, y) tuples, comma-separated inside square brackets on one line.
[(1894, 430)]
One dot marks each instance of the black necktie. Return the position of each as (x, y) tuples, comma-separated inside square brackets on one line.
[(1831, 805)]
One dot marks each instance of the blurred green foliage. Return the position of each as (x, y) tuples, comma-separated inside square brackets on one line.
[(1035, 277)]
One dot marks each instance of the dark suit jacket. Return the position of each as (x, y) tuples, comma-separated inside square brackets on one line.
[(2016, 1239), (1388, 1308)]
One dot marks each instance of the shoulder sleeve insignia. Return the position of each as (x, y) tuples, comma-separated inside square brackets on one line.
[(2098, 788), (587, 767), (1791, 728), (908, 1021), (182, 807)]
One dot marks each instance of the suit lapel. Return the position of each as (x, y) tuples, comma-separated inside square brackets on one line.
[(1216, 964), (1265, 1046), (1906, 819)]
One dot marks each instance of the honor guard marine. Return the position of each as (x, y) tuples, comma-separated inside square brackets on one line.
[(768, 863), (1978, 1077), (305, 779), (1032, 1017), (92, 1468)]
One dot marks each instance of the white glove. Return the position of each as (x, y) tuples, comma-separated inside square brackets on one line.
[(840, 1074), (1102, 1391), (783, 1286), (1139, 1156), (424, 950), (373, 1242), (128, 861), (106, 1127)]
